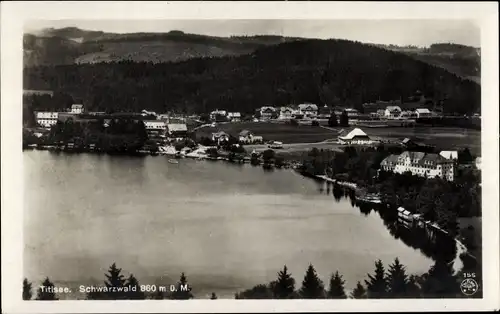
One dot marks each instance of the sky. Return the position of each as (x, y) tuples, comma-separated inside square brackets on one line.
[(396, 32)]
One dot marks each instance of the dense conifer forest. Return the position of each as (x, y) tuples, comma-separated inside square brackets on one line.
[(334, 72)]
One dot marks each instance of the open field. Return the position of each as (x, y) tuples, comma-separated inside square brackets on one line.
[(307, 136), (285, 133)]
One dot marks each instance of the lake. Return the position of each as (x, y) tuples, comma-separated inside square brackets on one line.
[(228, 227)]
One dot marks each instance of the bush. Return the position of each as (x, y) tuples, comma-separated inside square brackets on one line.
[(315, 123), (294, 122)]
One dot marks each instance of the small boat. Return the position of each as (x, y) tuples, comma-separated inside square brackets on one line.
[(173, 161)]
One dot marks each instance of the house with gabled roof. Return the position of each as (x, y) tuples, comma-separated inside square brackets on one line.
[(354, 136), (392, 112), (308, 110), (423, 113), (234, 116), (267, 112), (285, 113), (352, 113), (77, 108), (220, 137), (177, 130), (217, 113)]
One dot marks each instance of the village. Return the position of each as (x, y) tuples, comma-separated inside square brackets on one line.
[(204, 136)]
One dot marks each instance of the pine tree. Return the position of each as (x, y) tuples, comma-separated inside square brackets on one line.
[(344, 119), (183, 290), (284, 287), (359, 292), (214, 296), (45, 293), (312, 286), (332, 121), (377, 285), (115, 280), (397, 280), (135, 292), (440, 281), (27, 294), (413, 289), (336, 290)]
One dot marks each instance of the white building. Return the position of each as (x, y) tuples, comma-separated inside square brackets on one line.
[(392, 112), (220, 137), (285, 113), (354, 136), (155, 125), (423, 164), (46, 119), (247, 137), (423, 113), (308, 110), (77, 108), (177, 130), (234, 116), (217, 112), (449, 154), (351, 113), (267, 112)]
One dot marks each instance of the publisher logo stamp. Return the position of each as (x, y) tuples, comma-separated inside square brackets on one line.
[(469, 286)]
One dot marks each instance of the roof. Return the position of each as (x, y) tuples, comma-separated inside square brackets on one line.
[(412, 155), (177, 127), (357, 132), (219, 134), (154, 122), (267, 108), (76, 106), (41, 114), (350, 110), (424, 158), (282, 109), (449, 154), (221, 112), (308, 106), (393, 108), (390, 159), (234, 114), (422, 110), (245, 132)]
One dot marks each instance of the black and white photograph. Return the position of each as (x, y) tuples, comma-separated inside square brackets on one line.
[(253, 158)]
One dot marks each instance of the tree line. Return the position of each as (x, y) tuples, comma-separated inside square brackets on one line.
[(393, 282), (333, 72)]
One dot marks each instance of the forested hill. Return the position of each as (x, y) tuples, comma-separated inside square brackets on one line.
[(464, 61), (335, 72), (73, 45)]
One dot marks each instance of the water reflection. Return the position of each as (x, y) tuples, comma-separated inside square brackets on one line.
[(433, 244)]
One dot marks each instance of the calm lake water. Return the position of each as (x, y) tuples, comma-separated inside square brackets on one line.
[(228, 227)]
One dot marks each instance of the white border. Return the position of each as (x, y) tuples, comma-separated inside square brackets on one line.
[(13, 15)]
